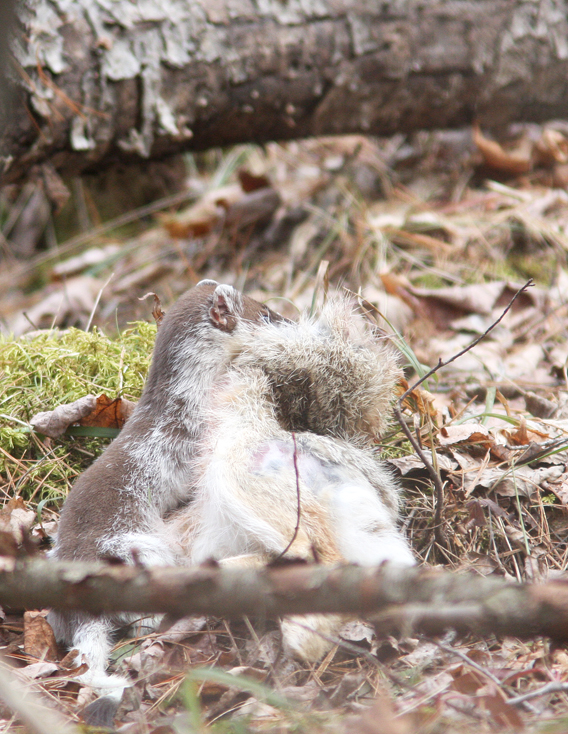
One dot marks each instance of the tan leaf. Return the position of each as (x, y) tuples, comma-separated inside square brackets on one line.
[(524, 481), (87, 259), (15, 519), (513, 162), (200, 218), (380, 718), (54, 423), (38, 670), (39, 640), (471, 433), (552, 147), (407, 464)]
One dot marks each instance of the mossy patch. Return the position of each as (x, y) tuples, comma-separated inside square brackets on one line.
[(50, 369)]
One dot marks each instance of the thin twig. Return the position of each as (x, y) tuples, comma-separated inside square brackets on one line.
[(434, 475), (98, 298), (484, 672), (299, 506), (469, 661), (548, 688)]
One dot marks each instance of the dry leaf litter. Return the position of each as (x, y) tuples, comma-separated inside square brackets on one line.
[(437, 232)]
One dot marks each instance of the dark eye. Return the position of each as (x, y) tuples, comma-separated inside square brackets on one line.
[(265, 316)]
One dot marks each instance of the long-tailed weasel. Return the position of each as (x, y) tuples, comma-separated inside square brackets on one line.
[(116, 507)]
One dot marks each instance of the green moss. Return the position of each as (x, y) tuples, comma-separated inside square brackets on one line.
[(51, 369), (542, 267), (430, 280)]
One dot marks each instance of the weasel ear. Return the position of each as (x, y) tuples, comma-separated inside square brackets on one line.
[(226, 307)]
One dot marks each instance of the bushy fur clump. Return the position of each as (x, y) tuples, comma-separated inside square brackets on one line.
[(328, 375)]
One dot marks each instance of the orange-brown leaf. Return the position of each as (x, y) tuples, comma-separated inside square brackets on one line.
[(108, 413), (495, 156)]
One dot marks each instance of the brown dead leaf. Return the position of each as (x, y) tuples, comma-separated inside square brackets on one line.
[(249, 182), (560, 490), (16, 519), (157, 311), (72, 665), (54, 423), (524, 436), (255, 207), (54, 187), (494, 701), (210, 689), (407, 464), (552, 147), (481, 563), (8, 544), (470, 433), (467, 681), (476, 517), (255, 673), (398, 285), (539, 406), (108, 413), (39, 639), (447, 307), (436, 245), (422, 399), (180, 629), (203, 216), (513, 162), (380, 718), (524, 481)]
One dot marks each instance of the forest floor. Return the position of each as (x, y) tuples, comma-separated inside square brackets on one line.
[(435, 234)]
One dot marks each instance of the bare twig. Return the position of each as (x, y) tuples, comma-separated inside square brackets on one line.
[(439, 534), (486, 673), (548, 688), (299, 506), (98, 298)]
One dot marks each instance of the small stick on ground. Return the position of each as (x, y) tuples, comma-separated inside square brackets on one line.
[(439, 534)]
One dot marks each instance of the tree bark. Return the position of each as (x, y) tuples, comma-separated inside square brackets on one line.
[(406, 599), (108, 80)]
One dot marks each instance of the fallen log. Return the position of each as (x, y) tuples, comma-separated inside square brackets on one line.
[(116, 81)]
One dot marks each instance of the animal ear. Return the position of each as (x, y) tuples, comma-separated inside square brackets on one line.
[(226, 307), (207, 281)]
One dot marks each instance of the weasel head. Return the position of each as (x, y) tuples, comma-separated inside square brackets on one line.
[(199, 336)]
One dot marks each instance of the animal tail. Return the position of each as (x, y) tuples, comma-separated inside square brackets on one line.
[(91, 638)]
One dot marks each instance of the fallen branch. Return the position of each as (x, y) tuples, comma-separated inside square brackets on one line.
[(403, 599)]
